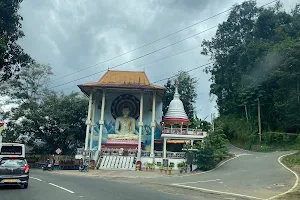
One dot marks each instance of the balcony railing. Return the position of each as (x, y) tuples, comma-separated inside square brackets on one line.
[(118, 152), (159, 154), (183, 131)]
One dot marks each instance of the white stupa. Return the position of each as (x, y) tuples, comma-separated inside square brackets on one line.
[(176, 113)]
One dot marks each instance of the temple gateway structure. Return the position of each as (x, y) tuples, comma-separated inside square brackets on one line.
[(125, 122)]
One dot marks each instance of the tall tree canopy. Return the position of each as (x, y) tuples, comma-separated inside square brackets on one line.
[(30, 86), (12, 56), (256, 55), (43, 119), (187, 90), (58, 121)]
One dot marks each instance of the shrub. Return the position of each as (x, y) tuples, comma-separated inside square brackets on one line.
[(213, 149)]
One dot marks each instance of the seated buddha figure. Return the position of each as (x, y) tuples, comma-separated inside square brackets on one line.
[(124, 127)]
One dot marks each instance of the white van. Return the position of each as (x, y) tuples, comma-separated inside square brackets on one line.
[(12, 150)]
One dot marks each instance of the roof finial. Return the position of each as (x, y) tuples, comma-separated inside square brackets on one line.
[(176, 94)]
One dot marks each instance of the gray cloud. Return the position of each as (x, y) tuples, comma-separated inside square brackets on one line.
[(74, 34)]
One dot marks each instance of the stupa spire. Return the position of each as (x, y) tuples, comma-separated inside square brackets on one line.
[(176, 112), (176, 94)]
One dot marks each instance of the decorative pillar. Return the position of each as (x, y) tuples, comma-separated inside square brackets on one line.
[(152, 155), (165, 148), (93, 123), (140, 126), (181, 127), (88, 123), (101, 122)]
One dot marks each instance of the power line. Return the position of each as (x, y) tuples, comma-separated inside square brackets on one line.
[(156, 61), (185, 71), (157, 40), (193, 69), (147, 44), (152, 52)]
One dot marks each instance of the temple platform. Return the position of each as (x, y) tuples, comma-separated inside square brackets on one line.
[(119, 143)]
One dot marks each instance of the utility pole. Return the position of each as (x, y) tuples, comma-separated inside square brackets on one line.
[(212, 122), (1, 129), (259, 121)]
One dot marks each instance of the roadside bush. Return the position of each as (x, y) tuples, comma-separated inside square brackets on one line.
[(236, 129), (213, 150)]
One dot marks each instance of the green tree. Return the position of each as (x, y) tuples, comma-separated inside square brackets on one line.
[(43, 119), (187, 90), (58, 121), (200, 124), (256, 56), (30, 86), (12, 56), (210, 152)]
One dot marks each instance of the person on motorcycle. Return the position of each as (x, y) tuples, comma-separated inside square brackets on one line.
[(81, 163), (46, 164)]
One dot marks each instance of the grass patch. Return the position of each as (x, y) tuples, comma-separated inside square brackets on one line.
[(265, 147), (292, 161)]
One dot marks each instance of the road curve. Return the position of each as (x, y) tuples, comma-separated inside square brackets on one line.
[(251, 175)]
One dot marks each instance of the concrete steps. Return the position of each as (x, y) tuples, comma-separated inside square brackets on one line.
[(117, 162)]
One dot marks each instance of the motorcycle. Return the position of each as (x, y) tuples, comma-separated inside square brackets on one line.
[(47, 167), (84, 168)]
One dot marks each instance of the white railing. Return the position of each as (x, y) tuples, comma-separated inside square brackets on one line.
[(118, 152), (159, 154), (183, 131)]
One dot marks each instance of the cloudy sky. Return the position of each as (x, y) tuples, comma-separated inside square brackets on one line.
[(71, 35)]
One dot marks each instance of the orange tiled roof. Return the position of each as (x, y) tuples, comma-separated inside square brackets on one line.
[(123, 79)]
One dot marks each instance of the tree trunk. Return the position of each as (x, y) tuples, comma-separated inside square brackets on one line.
[(246, 113)]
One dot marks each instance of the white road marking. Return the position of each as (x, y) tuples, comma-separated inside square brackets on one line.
[(35, 178), (217, 192), (62, 188), (296, 175), (242, 149), (198, 182), (241, 195), (222, 163)]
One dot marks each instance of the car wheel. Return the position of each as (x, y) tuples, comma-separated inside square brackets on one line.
[(25, 185)]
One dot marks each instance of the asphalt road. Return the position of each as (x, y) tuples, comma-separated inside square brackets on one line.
[(50, 186), (251, 174)]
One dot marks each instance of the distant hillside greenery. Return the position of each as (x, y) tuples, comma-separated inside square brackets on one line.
[(256, 54)]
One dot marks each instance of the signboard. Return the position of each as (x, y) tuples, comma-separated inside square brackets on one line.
[(1, 126), (58, 151), (165, 163)]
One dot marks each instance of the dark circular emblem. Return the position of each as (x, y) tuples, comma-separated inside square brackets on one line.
[(125, 100)]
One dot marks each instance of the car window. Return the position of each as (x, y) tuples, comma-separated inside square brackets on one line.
[(12, 163)]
